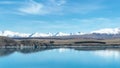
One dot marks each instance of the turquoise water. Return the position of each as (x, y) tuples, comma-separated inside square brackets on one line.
[(59, 58)]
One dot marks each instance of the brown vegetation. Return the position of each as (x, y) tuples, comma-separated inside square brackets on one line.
[(46, 42)]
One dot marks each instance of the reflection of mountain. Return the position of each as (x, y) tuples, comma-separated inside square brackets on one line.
[(8, 51), (5, 52)]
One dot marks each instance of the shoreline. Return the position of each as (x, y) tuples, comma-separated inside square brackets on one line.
[(16, 43), (61, 46)]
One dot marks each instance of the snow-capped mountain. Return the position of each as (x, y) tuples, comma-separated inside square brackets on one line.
[(77, 33), (61, 34), (108, 32), (13, 34), (40, 35)]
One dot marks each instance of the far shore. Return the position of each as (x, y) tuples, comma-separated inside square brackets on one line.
[(58, 42)]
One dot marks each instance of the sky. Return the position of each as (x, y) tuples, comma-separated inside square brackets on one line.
[(45, 16)]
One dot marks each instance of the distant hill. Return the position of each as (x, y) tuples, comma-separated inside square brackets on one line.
[(7, 41)]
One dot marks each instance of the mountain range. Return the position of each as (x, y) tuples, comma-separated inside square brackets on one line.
[(102, 33), (36, 34)]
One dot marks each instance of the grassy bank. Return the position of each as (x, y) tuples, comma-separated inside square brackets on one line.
[(5, 41)]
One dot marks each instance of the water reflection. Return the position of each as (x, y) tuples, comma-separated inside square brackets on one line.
[(108, 53), (60, 57), (61, 50), (103, 52)]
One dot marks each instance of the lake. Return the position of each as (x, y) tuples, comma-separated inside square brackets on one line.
[(60, 58)]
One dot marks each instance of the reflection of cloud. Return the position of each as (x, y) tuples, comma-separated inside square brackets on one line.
[(108, 54), (61, 50)]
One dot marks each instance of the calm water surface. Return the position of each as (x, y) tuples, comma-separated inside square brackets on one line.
[(59, 58)]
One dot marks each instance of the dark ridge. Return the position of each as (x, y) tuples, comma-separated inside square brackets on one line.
[(80, 42)]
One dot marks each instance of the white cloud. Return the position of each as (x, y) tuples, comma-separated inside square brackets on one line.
[(58, 2), (84, 8), (92, 23), (58, 7), (33, 7), (45, 7)]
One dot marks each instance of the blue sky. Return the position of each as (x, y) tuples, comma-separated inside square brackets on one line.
[(59, 15)]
